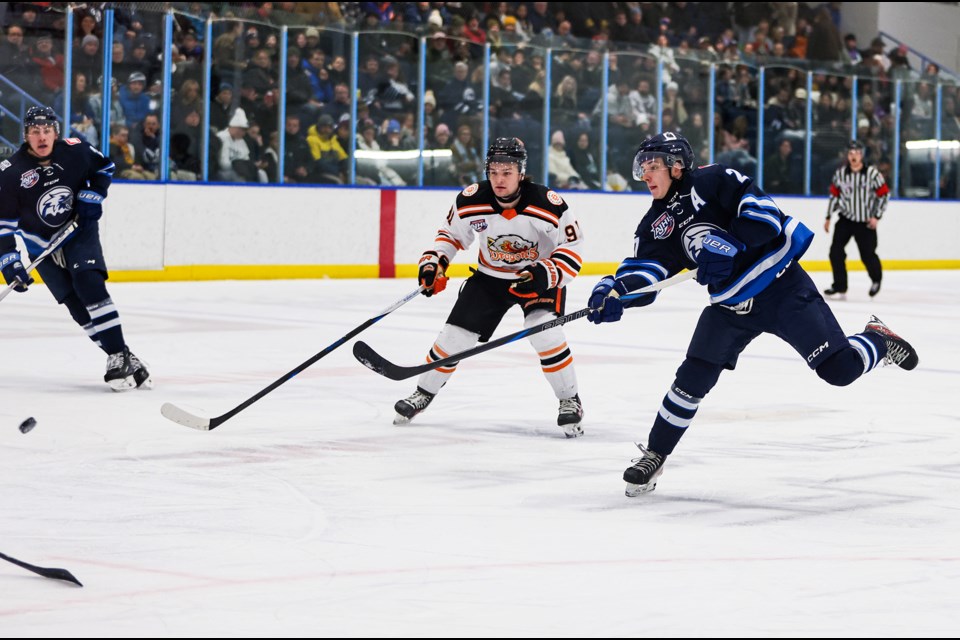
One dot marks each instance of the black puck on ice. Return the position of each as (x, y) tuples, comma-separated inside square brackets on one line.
[(27, 425)]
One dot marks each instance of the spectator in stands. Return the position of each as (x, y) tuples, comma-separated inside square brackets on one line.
[(259, 74), (82, 124), (139, 61), (136, 103), (584, 160), (328, 156), (562, 173), (16, 60), (124, 155), (467, 161), (393, 92), (186, 115), (95, 103), (673, 101), (228, 57), (50, 64), (235, 162), (298, 161), (146, 140), (852, 52), (341, 102), (779, 174), (88, 59), (342, 133), (221, 109), (459, 97), (300, 91)]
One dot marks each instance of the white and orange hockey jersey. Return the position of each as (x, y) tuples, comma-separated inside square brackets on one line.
[(540, 228)]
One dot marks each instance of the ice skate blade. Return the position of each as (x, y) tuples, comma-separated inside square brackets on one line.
[(399, 420), (123, 384), (572, 430), (634, 490)]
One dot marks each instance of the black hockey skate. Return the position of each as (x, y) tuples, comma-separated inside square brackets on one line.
[(126, 371), (899, 351), (642, 476), (409, 407), (570, 416)]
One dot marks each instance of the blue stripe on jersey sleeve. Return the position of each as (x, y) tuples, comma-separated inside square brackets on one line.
[(759, 275), (636, 273), (761, 209)]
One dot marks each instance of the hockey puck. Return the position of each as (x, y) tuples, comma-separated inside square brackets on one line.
[(27, 425)]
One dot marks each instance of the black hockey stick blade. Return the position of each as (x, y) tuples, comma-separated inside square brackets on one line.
[(187, 419), (56, 574), (377, 363)]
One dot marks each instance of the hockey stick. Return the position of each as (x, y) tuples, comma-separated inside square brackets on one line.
[(375, 362), (178, 415), (55, 244), (56, 574)]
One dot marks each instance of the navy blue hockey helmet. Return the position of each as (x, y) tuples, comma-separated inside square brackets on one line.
[(40, 116), (507, 150), (668, 146)]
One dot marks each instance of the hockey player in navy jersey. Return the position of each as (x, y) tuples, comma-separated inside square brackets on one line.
[(529, 250), (43, 186), (746, 252)]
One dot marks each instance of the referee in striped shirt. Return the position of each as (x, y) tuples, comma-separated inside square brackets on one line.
[(858, 195)]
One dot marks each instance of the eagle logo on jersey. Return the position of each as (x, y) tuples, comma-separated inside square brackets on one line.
[(693, 238), (29, 178), (55, 206), (554, 198), (662, 227), (512, 249), (472, 189), (479, 225)]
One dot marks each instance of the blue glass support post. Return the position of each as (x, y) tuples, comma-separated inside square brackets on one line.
[(604, 125), (937, 134), (854, 106), (106, 87), (354, 80), (808, 139), (897, 109), (711, 110), (207, 74), (167, 95), (486, 99), (659, 95), (421, 116), (67, 72), (545, 169), (761, 99), (282, 105)]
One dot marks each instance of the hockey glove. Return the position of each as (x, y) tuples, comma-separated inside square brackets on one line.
[(538, 278), (89, 205), (13, 271), (431, 274), (605, 307), (716, 256)]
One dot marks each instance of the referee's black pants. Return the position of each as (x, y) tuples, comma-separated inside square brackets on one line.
[(866, 239)]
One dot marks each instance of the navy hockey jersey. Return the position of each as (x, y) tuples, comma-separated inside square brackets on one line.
[(37, 197), (714, 197)]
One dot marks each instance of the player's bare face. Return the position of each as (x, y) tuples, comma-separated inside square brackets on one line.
[(40, 139), (657, 177), (504, 178)]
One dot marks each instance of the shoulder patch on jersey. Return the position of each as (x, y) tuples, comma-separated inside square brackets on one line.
[(554, 197), (72, 140), (472, 189), (5, 165)]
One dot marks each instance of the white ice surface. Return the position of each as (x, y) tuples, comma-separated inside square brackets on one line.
[(791, 508)]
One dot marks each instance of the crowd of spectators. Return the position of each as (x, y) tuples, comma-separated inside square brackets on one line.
[(680, 37)]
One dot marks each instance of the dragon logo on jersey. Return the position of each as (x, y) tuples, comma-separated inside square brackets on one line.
[(662, 227), (693, 238), (55, 206), (512, 249), (29, 178), (472, 189), (479, 225)]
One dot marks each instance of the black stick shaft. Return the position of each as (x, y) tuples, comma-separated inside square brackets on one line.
[(375, 362), (56, 574)]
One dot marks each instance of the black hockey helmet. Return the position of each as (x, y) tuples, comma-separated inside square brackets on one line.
[(670, 147), (507, 150), (40, 116), (855, 145)]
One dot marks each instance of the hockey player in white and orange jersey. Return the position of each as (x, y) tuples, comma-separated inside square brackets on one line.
[(530, 245)]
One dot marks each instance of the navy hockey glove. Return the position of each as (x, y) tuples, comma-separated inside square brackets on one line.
[(89, 205), (538, 278), (13, 271), (716, 256), (431, 275), (603, 306)]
